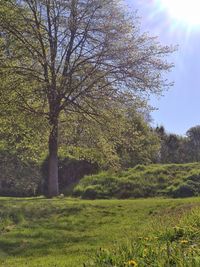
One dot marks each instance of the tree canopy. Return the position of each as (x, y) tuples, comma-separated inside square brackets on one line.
[(77, 56)]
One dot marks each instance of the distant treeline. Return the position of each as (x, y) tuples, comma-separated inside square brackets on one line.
[(179, 149)]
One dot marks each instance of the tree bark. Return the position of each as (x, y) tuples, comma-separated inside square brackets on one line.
[(53, 189)]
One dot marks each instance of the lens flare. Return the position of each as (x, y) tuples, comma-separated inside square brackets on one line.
[(184, 11)]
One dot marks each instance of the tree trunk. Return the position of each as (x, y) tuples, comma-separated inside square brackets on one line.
[(53, 189)]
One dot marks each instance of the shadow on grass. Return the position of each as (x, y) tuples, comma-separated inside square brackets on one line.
[(45, 229), (43, 242)]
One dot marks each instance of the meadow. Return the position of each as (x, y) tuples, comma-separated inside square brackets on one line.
[(73, 232)]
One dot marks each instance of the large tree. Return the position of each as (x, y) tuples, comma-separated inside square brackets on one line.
[(68, 56)]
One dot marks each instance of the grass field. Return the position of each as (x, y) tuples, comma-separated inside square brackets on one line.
[(68, 232)]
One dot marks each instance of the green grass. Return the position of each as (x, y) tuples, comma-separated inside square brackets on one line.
[(171, 180), (177, 246), (68, 232)]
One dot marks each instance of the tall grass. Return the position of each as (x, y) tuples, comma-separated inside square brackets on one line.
[(169, 180), (178, 246)]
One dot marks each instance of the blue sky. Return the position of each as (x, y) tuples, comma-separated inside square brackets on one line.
[(179, 108)]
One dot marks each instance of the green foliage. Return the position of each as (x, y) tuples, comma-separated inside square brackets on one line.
[(21, 133), (18, 177), (120, 138), (51, 58), (193, 146), (189, 187), (175, 180), (139, 143), (179, 149)]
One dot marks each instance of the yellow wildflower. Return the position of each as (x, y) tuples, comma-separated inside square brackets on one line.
[(132, 263), (184, 241)]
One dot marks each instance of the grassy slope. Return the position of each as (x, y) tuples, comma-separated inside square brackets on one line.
[(64, 232), (173, 180)]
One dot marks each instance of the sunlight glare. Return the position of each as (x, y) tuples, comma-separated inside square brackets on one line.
[(184, 11)]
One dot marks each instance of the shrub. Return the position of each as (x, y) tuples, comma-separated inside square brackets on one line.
[(173, 180), (184, 190), (18, 177)]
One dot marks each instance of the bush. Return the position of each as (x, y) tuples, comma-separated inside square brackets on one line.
[(173, 180), (18, 177), (188, 188), (183, 190)]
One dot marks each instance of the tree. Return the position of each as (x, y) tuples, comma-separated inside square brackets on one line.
[(121, 139), (139, 143), (162, 135), (172, 143), (76, 56), (173, 148), (94, 140), (193, 145), (25, 136)]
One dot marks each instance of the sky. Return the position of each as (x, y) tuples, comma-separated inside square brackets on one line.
[(179, 108)]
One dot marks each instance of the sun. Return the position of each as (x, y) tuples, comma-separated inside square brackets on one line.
[(184, 11)]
